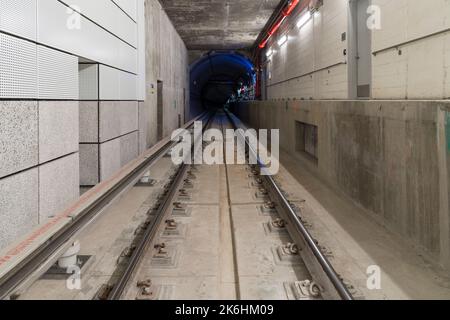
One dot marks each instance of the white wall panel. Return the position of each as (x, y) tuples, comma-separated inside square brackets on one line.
[(109, 16), (88, 41), (18, 68), (57, 75), (117, 85), (109, 83), (18, 17), (88, 81), (128, 86), (128, 58)]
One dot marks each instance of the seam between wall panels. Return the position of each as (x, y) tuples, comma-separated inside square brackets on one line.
[(38, 165), (126, 13), (98, 25), (112, 139), (59, 50)]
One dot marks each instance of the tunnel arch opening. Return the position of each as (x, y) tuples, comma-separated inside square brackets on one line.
[(219, 79)]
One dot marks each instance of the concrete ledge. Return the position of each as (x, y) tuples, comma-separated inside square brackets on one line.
[(19, 136), (58, 129)]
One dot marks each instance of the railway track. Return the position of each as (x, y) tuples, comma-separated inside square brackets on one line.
[(211, 232)]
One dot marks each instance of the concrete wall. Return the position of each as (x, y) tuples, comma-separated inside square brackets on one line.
[(167, 61), (391, 158), (410, 53), (310, 65), (420, 69)]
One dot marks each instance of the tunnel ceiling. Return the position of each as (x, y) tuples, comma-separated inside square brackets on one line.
[(218, 24)]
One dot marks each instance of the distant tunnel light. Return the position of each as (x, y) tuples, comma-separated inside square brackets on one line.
[(282, 40), (304, 18), (269, 53)]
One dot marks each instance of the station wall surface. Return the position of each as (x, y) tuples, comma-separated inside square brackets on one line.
[(75, 102), (167, 61), (409, 52), (391, 158)]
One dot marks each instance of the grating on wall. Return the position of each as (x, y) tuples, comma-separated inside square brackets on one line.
[(18, 72), (19, 17), (57, 75)]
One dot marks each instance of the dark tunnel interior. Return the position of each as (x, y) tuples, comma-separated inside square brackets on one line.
[(219, 79)]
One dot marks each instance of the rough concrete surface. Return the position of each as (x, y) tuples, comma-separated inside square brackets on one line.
[(356, 241), (19, 136), (19, 205), (166, 61), (384, 155), (58, 129), (215, 24), (59, 183), (89, 164)]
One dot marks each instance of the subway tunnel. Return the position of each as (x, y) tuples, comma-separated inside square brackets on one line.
[(245, 150), (220, 78)]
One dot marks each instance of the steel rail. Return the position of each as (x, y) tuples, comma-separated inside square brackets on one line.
[(300, 228), (38, 257), (149, 233)]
